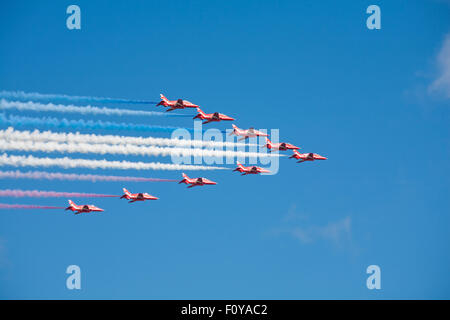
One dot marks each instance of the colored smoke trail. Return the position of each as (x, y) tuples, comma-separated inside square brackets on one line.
[(63, 97), (26, 206), (77, 137), (22, 161), (50, 107), (16, 193), (38, 175), (19, 121)]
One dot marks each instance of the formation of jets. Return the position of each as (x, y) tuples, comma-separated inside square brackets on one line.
[(193, 182), (243, 133)]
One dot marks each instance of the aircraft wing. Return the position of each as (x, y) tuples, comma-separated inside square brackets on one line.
[(193, 185)]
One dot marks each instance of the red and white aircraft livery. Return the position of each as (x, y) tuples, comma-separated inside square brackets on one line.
[(306, 156), (195, 181), (175, 104), (250, 170), (249, 133), (210, 117), (133, 197), (282, 146), (84, 208)]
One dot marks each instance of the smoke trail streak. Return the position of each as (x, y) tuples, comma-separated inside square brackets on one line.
[(9, 143), (48, 147), (16, 193), (26, 206), (37, 135), (21, 161), (19, 121), (62, 97), (38, 175), (50, 107)]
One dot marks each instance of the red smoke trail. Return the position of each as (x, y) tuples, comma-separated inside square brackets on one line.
[(26, 206), (75, 177), (51, 194)]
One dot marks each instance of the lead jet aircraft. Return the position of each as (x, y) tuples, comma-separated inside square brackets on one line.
[(133, 197), (84, 208), (195, 181), (175, 104), (306, 156), (249, 133), (282, 146), (210, 117), (249, 170)]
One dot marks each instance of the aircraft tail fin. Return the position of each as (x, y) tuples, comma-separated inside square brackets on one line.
[(71, 205), (201, 112), (163, 98)]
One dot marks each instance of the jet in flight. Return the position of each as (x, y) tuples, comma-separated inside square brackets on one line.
[(133, 197), (306, 156), (282, 146), (250, 170), (175, 104), (249, 133), (83, 208), (210, 117), (195, 181)]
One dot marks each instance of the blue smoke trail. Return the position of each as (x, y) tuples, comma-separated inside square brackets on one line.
[(20, 121), (50, 107), (20, 95)]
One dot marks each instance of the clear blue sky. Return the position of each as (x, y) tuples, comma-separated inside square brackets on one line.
[(311, 69)]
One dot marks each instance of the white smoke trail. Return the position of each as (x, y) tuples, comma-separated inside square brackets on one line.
[(30, 146), (22, 161), (77, 137), (50, 107), (39, 175)]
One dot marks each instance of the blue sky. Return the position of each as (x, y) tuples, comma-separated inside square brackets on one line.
[(363, 98)]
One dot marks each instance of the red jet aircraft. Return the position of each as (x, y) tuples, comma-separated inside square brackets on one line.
[(84, 208), (175, 104), (282, 146), (210, 117), (133, 197), (306, 156), (249, 133), (195, 181), (249, 170)]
